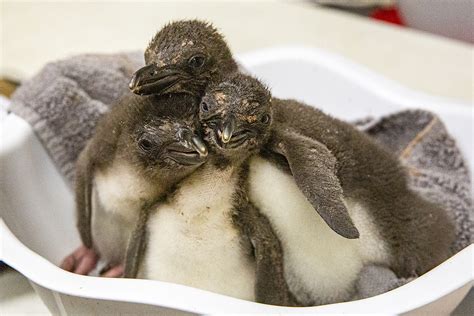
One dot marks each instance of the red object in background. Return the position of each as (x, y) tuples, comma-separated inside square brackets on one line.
[(387, 14)]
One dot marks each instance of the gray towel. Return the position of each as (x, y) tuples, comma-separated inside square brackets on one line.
[(66, 98), (435, 164), (63, 102), (437, 172)]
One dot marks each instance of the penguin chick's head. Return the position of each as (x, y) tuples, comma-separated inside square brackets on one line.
[(161, 136), (184, 56), (236, 116)]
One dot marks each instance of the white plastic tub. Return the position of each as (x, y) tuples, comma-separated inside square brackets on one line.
[(37, 228)]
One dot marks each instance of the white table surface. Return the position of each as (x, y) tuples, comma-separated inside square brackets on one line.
[(33, 33)]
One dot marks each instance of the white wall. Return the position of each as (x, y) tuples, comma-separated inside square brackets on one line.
[(40, 31)]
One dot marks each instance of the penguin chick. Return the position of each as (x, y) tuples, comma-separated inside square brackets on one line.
[(139, 151), (184, 56), (310, 248), (202, 234), (236, 116), (398, 229), (232, 114)]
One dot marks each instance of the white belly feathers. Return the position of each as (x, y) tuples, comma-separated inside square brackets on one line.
[(116, 199), (192, 239), (320, 266)]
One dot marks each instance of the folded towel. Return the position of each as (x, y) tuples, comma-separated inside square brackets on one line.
[(63, 102)]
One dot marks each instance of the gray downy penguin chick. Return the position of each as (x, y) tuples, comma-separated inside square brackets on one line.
[(184, 56), (231, 116), (319, 265), (236, 116), (199, 235), (139, 151), (398, 229), (372, 181)]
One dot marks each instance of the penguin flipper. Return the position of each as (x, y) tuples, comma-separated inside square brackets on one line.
[(314, 170), (270, 283), (136, 245), (83, 189)]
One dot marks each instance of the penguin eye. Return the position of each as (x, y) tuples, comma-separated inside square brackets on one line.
[(197, 61), (204, 106), (145, 144), (265, 119)]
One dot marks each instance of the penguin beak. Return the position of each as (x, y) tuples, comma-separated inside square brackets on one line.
[(152, 79), (199, 145), (227, 130), (193, 141), (233, 136), (189, 151)]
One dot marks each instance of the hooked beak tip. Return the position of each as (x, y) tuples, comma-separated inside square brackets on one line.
[(131, 84), (199, 146), (227, 131), (226, 137), (204, 152), (142, 77)]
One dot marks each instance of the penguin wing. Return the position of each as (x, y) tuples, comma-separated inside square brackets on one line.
[(314, 170), (136, 245), (270, 283), (83, 187)]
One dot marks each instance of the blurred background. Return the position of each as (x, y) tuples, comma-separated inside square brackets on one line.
[(426, 45)]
